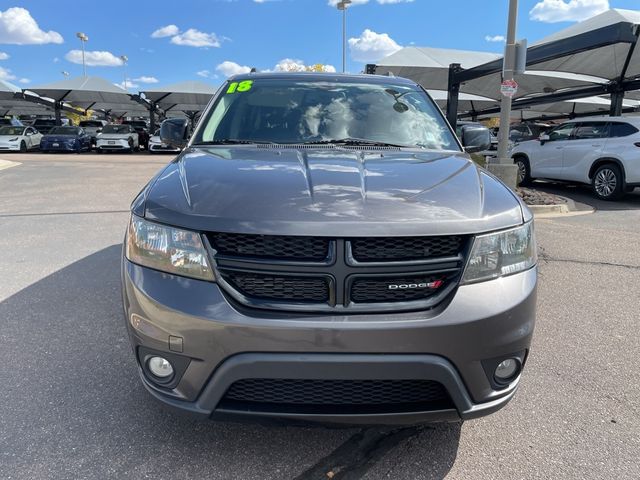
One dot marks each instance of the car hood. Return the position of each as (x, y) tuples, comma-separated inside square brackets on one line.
[(54, 137), (4, 138), (113, 136), (328, 192)]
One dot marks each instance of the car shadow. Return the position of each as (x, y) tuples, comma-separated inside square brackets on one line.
[(72, 405), (583, 194)]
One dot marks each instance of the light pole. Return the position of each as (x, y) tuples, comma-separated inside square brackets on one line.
[(342, 5), (83, 38), (505, 168), (124, 60)]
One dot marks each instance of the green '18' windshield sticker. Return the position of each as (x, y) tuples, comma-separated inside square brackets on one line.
[(244, 86)]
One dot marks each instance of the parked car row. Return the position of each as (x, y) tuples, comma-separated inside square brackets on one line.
[(129, 136)]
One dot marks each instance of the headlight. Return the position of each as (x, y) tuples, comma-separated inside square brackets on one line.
[(501, 253), (168, 249), (13, 139)]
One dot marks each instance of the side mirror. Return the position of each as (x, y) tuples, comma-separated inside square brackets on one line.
[(475, 138), (98, 130), (174, 132), (29, 134), (544, 138)]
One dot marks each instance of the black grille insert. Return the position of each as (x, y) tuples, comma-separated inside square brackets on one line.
[(279, 288), (397, 289), (271, 246), (389, 249), (393, 394)]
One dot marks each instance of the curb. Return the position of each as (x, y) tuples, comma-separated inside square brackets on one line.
[(568, 208)]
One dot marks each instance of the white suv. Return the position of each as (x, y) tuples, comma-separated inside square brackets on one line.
[(601, 151)]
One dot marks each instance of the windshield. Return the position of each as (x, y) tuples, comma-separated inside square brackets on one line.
[(44, 122), (136, 124), (286, 111), (65, 131), (11, 130), (90, 123), (115, 129)]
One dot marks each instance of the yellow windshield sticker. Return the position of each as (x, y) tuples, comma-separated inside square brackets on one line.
[(243, 86)]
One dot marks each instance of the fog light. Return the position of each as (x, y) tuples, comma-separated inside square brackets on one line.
[(507, 369), (160, 367)]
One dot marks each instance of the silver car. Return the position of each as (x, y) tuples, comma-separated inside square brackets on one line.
[(324, 250)]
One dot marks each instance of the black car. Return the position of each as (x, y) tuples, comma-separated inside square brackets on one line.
[(66, 139)]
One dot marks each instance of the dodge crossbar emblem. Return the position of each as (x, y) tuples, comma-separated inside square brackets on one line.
[(412, 286)]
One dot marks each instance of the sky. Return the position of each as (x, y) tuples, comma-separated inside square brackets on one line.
[(208, 40)]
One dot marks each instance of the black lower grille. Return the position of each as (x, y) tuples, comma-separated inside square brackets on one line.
[(401, 289), (271, 246), (336, 392), (274, 287)]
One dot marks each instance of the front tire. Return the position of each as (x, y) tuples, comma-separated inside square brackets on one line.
[(524, 171), (23, 147), (608, 182)]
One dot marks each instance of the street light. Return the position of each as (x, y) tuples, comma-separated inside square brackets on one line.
[(342, 5), (83, 38), (124, 60)]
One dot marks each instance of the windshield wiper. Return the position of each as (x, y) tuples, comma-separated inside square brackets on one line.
[(232, 141), (356, 141)]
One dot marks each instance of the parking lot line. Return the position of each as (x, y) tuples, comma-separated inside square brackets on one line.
[(7, 164)]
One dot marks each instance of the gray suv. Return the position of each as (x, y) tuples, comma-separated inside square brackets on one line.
[(324, 250)]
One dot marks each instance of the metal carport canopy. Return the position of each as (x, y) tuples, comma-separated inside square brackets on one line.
[(430, 66), (86, 92), (602, 49), (191, 96)]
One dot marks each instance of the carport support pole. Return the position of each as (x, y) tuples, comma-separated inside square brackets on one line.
[(58, 113), (152, 118), (616, 103), (505, 170), (453, 92)]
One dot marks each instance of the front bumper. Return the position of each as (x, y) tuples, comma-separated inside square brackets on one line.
[(222, 343), (60, 147), (122, 144), (13, 147)]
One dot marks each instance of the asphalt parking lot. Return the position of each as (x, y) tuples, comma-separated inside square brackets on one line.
[(71, 405)]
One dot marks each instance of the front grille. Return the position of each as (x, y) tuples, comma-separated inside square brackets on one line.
[(387, 249), (389, 289), (271, 246), (272, 287), (323, 274), (336, 392)]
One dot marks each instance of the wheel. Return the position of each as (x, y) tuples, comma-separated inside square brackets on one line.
[(137, 148), (608, 182), (524, 171), (23, 147)]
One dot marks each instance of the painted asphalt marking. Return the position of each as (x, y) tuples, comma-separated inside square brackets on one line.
[(7, 164)]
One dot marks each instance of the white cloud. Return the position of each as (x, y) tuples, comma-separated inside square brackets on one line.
[(166, 31), (551, 11), (56, 59), (25, 80), (228, 68), (5, 74), (96, 58), (371, 46), (196, 38), (203, 73), (18, 27), (130, 85), (333, 3), (145, 79), (4, 56), (494, 38), (290, 65)]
